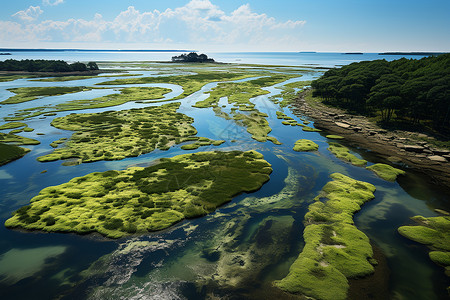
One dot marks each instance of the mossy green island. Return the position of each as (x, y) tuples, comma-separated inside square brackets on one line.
[(335, 250), (115, 135), (435, 233), (344, 154), (11, 152), (303, 145), (386, 172), (140, 200)]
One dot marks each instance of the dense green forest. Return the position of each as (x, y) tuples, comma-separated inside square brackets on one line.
[(30, 65), (404, 91)]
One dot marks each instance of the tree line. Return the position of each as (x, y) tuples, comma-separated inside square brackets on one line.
[(192, 57), (410, 90), (41, 65)]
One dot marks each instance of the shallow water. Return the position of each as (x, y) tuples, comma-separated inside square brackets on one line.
[(178, 263)]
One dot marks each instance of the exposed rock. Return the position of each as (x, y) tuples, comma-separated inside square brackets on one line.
[(342, 125), (357, 128), (414, 148), (441, 152), (437, 158)]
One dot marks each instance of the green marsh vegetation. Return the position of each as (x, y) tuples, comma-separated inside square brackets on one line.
[(12, 125), (189, 83), (402, 93), (344, 154), (303, 145), (72, 78), (334, 137), (435, 233), (17, 139), (128, 133), (11, 152), (24, 94), (289, 93), (335, 250), (125, 95), (5, 78), (386, 172), (139, 200)]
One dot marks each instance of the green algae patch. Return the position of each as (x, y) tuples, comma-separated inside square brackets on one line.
[(289, 93), (257, 125), (12, 125), (115, 135), (72, 78), (9, 153), (140, 200), (344, 154), (17, 139), (24, 94), (435, 233), (334, 137), (240, 93), (303, 145), (386, 172), (189, 83), (335, 250), (149, 94), (310, 129), (200, 142)]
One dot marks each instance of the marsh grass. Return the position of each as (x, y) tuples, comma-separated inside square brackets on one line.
[(115, 135), (11, 152), (335, 250), (25, 94), (141, 200)]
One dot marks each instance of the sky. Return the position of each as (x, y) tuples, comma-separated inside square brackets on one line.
[(228, 25)]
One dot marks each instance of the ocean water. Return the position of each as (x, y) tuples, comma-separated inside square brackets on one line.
[(172, 264), (319, 59)]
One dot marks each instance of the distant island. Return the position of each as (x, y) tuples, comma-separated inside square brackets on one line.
[(353, 53), (412, 53), (192, 58), (5, 53), (40, 65)]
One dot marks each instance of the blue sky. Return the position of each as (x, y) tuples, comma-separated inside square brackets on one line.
[(228, 25)]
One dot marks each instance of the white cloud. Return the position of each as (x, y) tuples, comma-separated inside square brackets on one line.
[(31, 14), (52, 2), (198, 23)]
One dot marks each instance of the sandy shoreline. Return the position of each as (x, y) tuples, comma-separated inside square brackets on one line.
[(397, 147)]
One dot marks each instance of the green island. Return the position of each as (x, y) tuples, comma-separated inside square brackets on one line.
[(435, 233), (189, 83), (17, 139), (9, 153), (334, 137), (72, 78), (257, 125), (24, 94), (12, 125), (335, 250), (139, 200), (115, 135), (289, 93), (240, 93), (386, 172), (303, 145), (152, 94), (6, 78), (344, 154)]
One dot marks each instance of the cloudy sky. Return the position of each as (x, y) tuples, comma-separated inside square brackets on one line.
[(228, 25)]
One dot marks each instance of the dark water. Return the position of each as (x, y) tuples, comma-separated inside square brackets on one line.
[(199, 258)]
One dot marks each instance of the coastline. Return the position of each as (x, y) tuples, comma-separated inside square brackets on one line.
[(398, 147)]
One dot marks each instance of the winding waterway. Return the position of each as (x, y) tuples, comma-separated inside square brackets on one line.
[(176, 263)]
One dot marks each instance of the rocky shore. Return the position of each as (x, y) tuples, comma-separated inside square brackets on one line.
[(401, 147)]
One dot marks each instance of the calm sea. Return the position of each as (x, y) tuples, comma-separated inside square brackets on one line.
[(319, 59)]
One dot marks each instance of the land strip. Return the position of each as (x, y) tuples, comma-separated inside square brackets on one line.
[(397, 146)]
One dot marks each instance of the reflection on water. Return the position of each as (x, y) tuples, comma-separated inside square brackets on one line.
[(235, 252)]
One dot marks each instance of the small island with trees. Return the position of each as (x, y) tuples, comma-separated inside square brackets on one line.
[(40, 65), (192, 58)]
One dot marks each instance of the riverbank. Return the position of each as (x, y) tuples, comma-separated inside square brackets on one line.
[(56, 74), (400, 147)]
